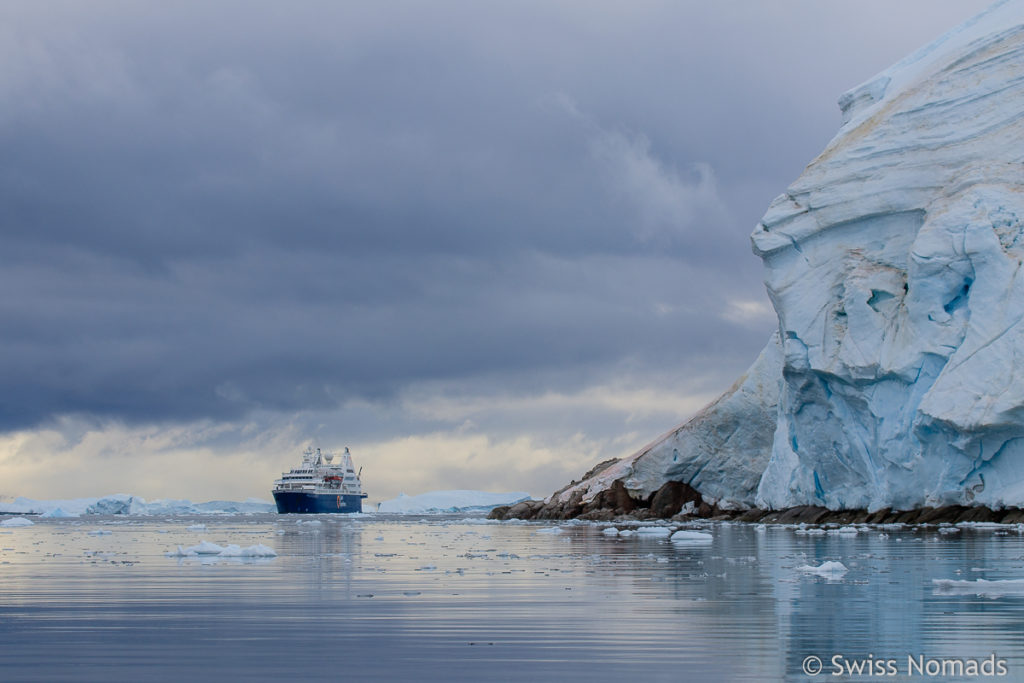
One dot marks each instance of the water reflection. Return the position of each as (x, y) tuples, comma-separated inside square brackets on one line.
[(387, 597)]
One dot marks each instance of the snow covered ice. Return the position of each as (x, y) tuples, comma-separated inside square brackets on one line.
[(687, 537)]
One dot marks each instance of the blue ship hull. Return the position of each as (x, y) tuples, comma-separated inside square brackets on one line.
[(315, 503)]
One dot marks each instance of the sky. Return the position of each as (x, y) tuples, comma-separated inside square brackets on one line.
[(484, 245)]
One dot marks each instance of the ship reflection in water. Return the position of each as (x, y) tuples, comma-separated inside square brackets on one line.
[(386, 597)]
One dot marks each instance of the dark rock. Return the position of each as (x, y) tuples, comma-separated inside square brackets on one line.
[(803, 514), (860, 517), (878, 516), (526, 509), (838, 517), (1013, 516), (671, 497), (619, 498), (598, 515), (498, 512), (978, 514), (752, 515), (948, 513), (907, 517)]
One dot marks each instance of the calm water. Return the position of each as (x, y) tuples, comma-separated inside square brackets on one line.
[(389, 598)]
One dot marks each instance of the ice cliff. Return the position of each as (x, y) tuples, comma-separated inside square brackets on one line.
[(894, 263)]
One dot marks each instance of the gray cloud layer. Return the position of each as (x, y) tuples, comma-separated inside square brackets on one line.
[(206, 210)]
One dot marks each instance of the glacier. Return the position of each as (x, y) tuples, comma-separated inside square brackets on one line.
[(894, 266)]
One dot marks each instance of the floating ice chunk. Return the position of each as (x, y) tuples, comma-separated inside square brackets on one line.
[(686, 537), (551, 530), (182, 552), (654, 531), (205, 548), (196, 527), (627, 532), (258, 550), (829, 569), (16, 522), (812, 531), (100, 532), (610, 531), (949, 530), (982, 587)]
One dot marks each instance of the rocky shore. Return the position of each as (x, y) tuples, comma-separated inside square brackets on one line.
[(679, 502)]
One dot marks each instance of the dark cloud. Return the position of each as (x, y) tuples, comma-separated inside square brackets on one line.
[(210, 209)]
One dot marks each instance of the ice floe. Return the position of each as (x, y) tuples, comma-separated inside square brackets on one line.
[(207, 549), (980, 587), (830, 569), (686, 537), (16, 522)]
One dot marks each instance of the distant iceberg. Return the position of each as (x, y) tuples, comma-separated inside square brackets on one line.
[(125, 504), (450, 501), (16, 522)]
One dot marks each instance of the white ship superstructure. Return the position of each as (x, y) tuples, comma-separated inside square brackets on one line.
[(320, 485)]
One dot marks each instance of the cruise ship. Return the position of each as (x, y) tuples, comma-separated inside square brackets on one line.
[(318, 485)]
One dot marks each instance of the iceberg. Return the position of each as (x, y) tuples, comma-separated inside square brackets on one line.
[(14, 522), (125, 504), (450, 501), (894, 267), (58, 513)]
